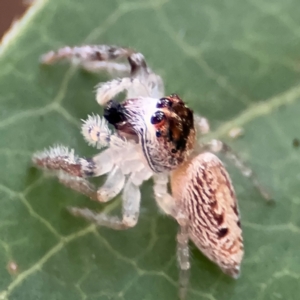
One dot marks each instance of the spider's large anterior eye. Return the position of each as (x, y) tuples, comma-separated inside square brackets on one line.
[(163, 102), (157, 117)]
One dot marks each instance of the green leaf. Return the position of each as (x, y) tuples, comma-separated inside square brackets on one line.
[(236, 62)]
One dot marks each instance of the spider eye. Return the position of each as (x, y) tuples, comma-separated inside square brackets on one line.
[(158, 133), (163, 102), (157, 117)]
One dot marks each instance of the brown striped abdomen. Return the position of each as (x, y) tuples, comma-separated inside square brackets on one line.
[(204, 192)]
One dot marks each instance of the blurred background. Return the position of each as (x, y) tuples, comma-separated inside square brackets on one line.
[(11, 10)]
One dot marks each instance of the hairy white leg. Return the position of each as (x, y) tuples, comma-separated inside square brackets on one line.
[(59, 158), (72, 170), (78, 184), (138, 177), (86, 53), (164, 200), (153, 83), (145, 86), (96, 166), (131, 203), (168, 204), (98, 57), (219, 146), (108, 90), (183, 258), (91, 53), (130, 212), (112, 186), (202, 124), (112, 68)]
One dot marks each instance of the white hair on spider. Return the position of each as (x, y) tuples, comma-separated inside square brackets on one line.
[(96, 132), (56, 151)]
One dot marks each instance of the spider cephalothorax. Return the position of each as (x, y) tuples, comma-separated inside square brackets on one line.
[(155, 137), (164, 127), (174, 123)]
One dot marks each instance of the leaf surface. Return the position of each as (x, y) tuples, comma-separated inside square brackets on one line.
[(236, 62)]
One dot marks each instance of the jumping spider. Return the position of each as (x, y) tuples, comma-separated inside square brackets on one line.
[(155, 136)]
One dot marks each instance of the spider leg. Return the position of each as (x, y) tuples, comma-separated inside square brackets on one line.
[(78, 184), (183, 259), (96, 58), (112, 186), (133, 86), (112, 68), (60, 158), (130, 210), (219, 146), (164, 200), (96, 133), (148, 86), (202, 124), (72, 170), (168, 204), (86, 55)]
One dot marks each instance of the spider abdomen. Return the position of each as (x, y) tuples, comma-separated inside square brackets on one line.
[(205, 194)]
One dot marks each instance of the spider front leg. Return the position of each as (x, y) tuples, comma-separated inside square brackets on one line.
[(110, 189), (219, 146), (133, 86), (97, 57), (130, 210), (112, 68), (82, 57), (72, 170), (139, 80), (59, 158)]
